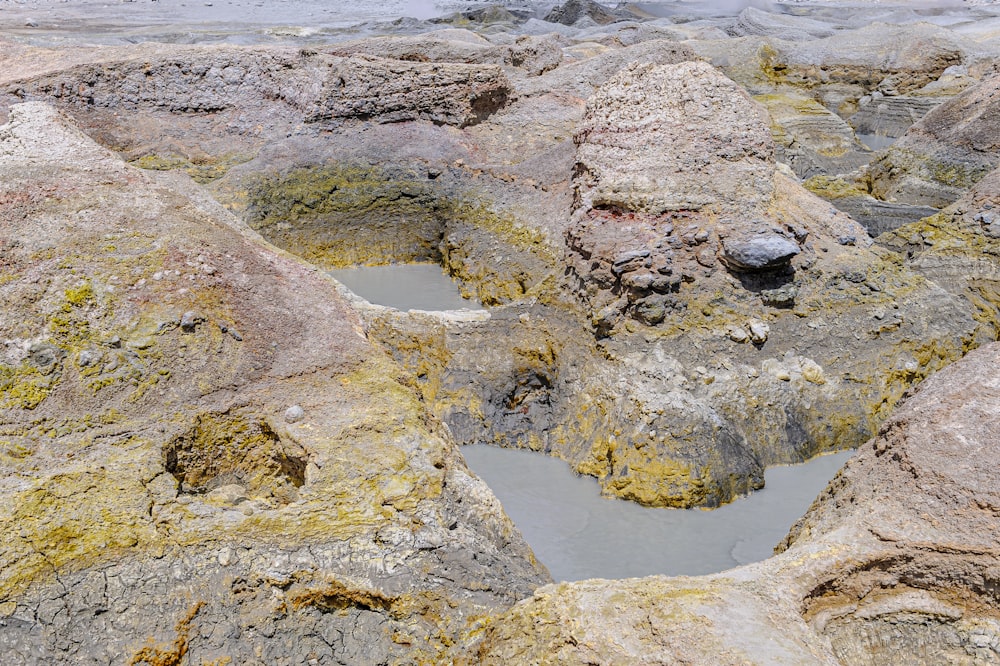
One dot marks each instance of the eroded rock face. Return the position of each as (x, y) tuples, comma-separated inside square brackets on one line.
[(894, 563), (949, 150), (720, 152), (313, 87), (157, 494), (959, 248)]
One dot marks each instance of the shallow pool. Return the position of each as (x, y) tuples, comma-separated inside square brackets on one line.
[(578, 534), (405, 286)]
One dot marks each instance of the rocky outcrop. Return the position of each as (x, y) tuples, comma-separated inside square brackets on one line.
[(949, 150), (959, 248), (875, 215), (719, 256), (810, 138), (620, 161), (754, 21), (312, 87), (890, 117), (894, 563), (533, 55), (573, 11), (202, 456)]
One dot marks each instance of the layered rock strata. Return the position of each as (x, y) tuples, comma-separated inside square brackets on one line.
[(945, 153)]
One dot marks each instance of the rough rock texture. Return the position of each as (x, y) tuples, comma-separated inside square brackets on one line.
[(947, 152), (573, 11), (895, 563), (156, 492), (727, 157), (673, 354), (311, 87), (733, 266), (754, 21), (875, 215), (959, 248), (810, 138), (533, 55), (890, 116)]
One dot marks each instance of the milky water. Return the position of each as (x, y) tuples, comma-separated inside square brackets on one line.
[(405, 286), (578, 534), (876, 141), (574, 531)]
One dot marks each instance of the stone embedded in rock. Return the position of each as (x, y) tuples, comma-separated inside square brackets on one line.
[(758, 253), (294, 414), (659, 138)]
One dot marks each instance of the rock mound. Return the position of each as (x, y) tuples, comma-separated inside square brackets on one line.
[(573, 11), (671, 138)]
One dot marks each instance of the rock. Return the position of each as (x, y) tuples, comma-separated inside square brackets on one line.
[(572, 11), (754, 21), (758, 331), (727, 155), (959, 248), (294, 414), (896, 519), (190, 321), (758, 253), (892, 116), (949, 150), (173, 459), (309, 87), (810, 138)]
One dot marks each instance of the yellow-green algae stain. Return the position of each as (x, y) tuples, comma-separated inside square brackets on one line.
[(339, 215), (202, 171), (832, 187)]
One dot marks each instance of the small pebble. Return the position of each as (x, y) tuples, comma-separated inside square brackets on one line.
[(294, 414), (189, 320)]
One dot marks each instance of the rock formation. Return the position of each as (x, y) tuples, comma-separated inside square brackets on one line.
[(203, 457), (945, 153), (894, 563), (670, 311)]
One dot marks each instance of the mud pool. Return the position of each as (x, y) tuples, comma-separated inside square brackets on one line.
[(578, 534), (405, 286)]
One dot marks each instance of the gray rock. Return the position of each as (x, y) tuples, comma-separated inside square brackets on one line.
[(294, 414), (572, 11), (758, 253), (190, 321), (758, 331)]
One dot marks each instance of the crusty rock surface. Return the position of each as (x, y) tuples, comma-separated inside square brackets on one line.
[(810, 138), (727, 156), (311, 87), (959, 248), (160, 504), (894, 563)]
